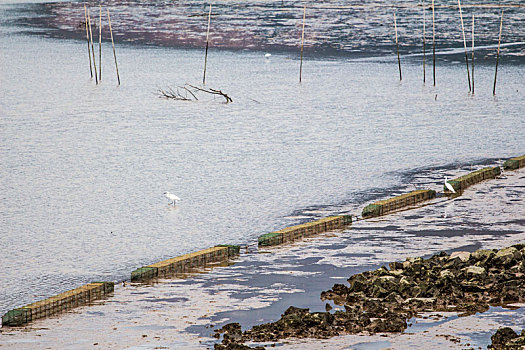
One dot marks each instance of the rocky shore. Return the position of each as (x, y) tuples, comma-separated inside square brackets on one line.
[(506, 339), (385, 299)]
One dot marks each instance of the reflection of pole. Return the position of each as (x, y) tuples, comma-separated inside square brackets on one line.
[(100, 44), (397, 47), (464, 44), (113, 43), (497, 57), (87, 39), (302, 46), (424, 46), (206, 53), (472, 54), (92, 48)]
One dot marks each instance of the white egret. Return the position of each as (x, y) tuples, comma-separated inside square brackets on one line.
[(173, 198), (449, 186)]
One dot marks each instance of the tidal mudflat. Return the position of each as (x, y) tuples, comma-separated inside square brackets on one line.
[(85, 166)]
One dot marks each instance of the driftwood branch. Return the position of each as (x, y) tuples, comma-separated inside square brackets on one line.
[(213, 92), (190, 92)]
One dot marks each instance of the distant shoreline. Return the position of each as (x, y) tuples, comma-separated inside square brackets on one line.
[(260, 26)]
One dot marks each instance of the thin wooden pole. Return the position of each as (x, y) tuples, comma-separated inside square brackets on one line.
[(464, 44), (433, 44), (87, 39), (302, 46), (100, 43), (472, 54), (113, 43), (92, 48), (497, 57), (424, 42), (397, 47), (206, 52)]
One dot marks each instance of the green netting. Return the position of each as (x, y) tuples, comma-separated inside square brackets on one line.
[(384, 206), (347, 219), (143, 273), (371, 210), (454, 183), (108, 287), (464, 181), (511, 164), (514, 163), (271, 238), (232, 249), (16, 317)]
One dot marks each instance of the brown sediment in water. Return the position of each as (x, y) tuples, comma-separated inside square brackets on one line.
[(383, 300)]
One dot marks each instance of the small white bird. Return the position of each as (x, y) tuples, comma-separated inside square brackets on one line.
[(449, 186), (267, 55), (173, 198)]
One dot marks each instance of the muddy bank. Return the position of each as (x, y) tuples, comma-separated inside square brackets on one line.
[(385, 299)]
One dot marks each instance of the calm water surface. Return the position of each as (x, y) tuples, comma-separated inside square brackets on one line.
[(84, 166), (182, 313)]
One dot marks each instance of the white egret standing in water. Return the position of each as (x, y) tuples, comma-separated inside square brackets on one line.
[(173, 198), (449, 186)]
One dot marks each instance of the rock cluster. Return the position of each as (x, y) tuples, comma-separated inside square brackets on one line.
[(506, 339), (383, 300)]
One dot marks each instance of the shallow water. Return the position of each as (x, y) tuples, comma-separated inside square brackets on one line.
[(84, 166), (260, 285), (353, 28)]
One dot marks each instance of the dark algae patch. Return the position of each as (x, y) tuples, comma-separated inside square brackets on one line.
[(383, 300)]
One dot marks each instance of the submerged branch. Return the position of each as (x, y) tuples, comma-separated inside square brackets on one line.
[(190, 92)]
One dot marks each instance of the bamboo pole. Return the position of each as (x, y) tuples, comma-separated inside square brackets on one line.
[(497, 57), (302, 46), (397, 47), (100, 43), (206, 52), (87, 39), (113, 43), (92, 48), (472, 54), (424, 42), (464, 44), (433, 44)]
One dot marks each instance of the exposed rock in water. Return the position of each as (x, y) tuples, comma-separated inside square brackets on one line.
[(383, 300), (506, 339)]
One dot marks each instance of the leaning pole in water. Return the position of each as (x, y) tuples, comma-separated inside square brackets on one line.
[(472, 54), (87, 39), (464, 44), (497, 56), (424, 43), (397, 47), (113, 44), (302, 46), (433, 45), (206, 52), (100, 43), (92, 48)]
